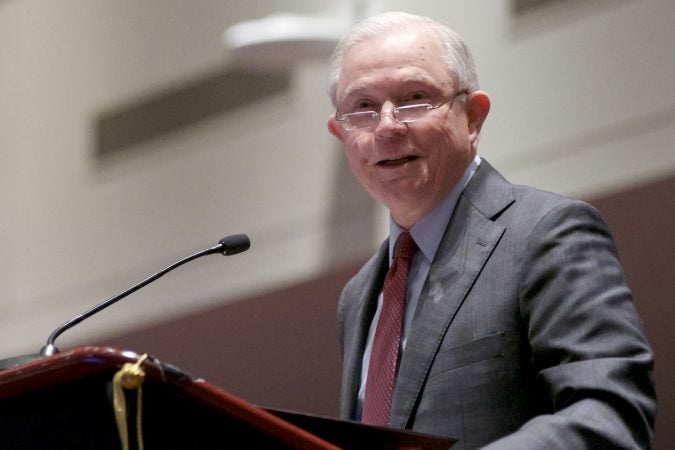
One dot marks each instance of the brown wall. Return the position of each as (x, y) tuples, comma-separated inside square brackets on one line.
[(280, 349), (641, 221)]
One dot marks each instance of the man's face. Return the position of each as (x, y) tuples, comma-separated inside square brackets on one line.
[(407, 167)]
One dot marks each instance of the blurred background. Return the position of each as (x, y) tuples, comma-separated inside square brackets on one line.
[(134, 133)]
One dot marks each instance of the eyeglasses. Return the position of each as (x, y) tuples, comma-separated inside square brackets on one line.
[(405, 114)]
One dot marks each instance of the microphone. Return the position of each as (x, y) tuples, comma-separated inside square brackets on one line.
[(229, 245)]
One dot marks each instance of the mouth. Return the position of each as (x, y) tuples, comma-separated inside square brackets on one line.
[(396, 162)]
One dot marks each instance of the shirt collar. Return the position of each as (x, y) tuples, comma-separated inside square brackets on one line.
[(428, 231)]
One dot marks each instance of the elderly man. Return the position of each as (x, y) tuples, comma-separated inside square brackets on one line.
[(494, 313)]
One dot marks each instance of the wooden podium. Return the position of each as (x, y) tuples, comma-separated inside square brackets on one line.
[(66, 402)]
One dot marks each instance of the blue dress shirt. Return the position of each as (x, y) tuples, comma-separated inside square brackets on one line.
[(427, 234)]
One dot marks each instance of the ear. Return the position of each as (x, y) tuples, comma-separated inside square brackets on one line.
[(335, 128), (477, 109)]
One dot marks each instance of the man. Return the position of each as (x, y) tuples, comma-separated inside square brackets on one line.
[(514, 325)]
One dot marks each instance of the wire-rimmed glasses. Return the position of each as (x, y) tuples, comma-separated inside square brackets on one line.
[(405, 114)]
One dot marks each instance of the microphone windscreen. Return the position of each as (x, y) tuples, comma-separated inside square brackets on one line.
[(234, 244)]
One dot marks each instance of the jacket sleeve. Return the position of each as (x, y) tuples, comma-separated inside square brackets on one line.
[(589, 350)]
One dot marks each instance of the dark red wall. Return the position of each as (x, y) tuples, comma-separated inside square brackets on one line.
[(642, 221), (279, 349)]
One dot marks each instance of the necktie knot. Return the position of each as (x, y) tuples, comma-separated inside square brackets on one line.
[(405, 247)]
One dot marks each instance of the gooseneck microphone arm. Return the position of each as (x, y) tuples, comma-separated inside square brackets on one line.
[(229, 245)]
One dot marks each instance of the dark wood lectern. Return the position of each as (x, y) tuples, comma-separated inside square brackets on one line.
[(65, 402)]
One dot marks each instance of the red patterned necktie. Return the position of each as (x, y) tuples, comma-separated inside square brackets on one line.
[(387, 341)]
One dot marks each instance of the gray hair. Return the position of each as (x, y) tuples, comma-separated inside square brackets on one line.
[(456, 54)]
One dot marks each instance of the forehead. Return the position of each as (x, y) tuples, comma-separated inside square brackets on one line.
[(395, 59)]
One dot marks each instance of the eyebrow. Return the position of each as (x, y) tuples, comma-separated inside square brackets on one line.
[(415, 78), (351, 90)]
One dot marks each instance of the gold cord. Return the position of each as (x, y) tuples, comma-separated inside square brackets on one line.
[(130, 377)]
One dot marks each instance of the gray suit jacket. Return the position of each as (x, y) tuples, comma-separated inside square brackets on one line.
[(525, 335)]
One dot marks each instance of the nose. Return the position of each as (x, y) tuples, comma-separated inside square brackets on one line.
[(389, 125)]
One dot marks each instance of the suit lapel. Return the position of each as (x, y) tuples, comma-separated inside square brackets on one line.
[(368, 284), (468, 242)]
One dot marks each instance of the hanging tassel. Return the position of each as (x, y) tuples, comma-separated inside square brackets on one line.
[(129, 377)]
